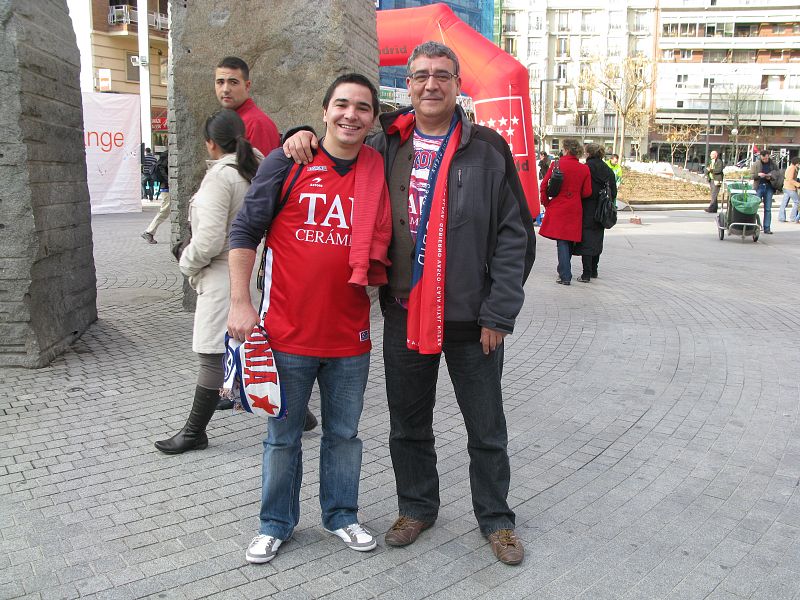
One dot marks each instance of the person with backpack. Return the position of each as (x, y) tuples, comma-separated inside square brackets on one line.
[(231, 167), (593, 232), (160, 174), (563, 218)]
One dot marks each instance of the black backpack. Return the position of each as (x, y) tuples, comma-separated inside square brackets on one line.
[(556, 179), (606, 211)]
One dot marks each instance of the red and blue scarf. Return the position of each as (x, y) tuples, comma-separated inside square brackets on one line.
[(425, 325)]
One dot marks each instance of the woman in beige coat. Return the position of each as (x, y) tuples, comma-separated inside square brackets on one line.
[(205, 262)]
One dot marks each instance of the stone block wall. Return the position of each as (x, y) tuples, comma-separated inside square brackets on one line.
[(294, 50), (47, 276)]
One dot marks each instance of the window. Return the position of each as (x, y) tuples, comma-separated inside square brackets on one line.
[(727, 29), (532, 46), (715, 56), (609, 121), (163, 70), (793, 82), (743, 56), (509, 22), (778, 28), (510, 46), (615, 21), (708, 81), (796, 28), (668, 54), (711, 29), (794, 56), (686, 55), (614, 51), (583, 119), (680, 103), (562, 46), (131, 73), (536, 23), (669, 30), (681, 81), (561, 99), (687, 30), (776, 55), (561, 71), (562, 20), (588, 18), (554, 145), (641, 21), (746, 30), (611, 95)]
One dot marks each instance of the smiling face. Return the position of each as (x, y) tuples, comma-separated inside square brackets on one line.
[(348, 119), (231, 87), (434, 101)]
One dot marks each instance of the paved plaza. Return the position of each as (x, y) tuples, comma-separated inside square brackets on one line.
[(653, 423)]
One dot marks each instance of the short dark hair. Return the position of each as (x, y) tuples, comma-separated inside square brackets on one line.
[(796, 160), (433, 49), (764, 153), (358, 79), (234, 62)]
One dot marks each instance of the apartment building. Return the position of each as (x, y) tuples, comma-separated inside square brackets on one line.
[(560, 43), (114, 41), (737, 62)]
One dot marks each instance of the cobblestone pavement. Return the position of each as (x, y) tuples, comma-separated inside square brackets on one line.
[(653, 421)]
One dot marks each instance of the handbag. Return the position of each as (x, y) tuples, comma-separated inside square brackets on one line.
[(606, 212), (556, 179)]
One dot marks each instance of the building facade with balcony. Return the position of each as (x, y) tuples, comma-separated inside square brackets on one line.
[(562, 44), (114, 41), (735, 61)]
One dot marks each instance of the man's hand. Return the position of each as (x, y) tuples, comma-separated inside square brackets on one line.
[(299, 147), (491, 339), (242, 317)]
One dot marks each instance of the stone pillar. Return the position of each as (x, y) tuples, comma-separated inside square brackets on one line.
[(47, 276), (294, 50)]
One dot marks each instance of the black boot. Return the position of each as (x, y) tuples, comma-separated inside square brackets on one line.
[(311, 421), (224, 404), (193, 435)]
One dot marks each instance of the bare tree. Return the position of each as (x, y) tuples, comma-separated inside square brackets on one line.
[(639, 124), (742, 101), (625, 84), (683, 137)]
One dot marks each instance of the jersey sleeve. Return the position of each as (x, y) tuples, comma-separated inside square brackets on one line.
[(256, 214)]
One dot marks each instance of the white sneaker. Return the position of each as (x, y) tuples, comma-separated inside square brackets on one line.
[(262, 549), (356, 537)]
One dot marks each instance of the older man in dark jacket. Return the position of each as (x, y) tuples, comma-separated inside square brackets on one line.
[(462, 246)]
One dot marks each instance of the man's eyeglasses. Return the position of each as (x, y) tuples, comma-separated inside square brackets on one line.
[(419, 77)]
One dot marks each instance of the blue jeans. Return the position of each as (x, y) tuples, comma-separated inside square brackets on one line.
[(793, 196), (341, 384), (564, 249), (765, 192), (411, 391)]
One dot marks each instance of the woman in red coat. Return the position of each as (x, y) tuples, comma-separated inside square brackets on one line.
[(563, 217)]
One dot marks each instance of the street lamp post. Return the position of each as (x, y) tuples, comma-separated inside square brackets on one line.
[(708, 123), (541, 111)]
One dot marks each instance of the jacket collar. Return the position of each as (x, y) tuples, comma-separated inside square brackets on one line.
[(225, 159), (467, 127)]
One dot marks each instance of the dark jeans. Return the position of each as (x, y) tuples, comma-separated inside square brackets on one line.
[(590, 265), (765, 192), (411, 390), (564, 249)]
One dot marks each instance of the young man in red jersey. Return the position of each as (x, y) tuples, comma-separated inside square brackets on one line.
[(329, 227)]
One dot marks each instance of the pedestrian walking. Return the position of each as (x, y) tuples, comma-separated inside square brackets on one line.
[(563, 219), (593, 233)]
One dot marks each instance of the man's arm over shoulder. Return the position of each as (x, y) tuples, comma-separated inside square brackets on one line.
[(256, 214)]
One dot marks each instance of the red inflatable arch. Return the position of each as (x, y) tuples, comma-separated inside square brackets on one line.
[(497, 82)]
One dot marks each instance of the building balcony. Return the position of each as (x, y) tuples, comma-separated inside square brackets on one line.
[(579, 130), (122, 14)]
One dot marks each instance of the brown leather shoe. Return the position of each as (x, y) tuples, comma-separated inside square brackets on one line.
[(507, 547), (405, 531)]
